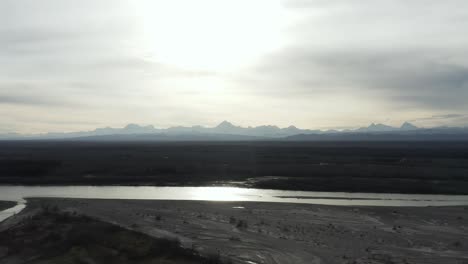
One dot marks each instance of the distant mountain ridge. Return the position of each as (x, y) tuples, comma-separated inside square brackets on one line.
[(228, 131)]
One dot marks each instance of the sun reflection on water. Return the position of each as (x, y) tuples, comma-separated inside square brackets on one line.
[(221, 194)]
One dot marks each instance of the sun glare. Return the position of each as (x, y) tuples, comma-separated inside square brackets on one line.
[(209, 34), (220, 194)]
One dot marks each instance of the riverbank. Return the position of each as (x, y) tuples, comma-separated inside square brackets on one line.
[(288, 233), (6, 204)]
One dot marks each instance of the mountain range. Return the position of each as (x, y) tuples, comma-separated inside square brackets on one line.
[(227, 131)]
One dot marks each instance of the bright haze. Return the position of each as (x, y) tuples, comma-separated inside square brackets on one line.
[(78, 65)]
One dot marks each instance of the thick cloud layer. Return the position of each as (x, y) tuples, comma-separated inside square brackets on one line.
[(73, 65)]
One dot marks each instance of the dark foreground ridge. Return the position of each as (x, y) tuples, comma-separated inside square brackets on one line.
[(52, 236)]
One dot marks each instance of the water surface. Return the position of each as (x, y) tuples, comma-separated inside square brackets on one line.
[(18, 193)]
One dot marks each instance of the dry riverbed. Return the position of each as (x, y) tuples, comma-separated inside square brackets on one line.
[(251, 232)]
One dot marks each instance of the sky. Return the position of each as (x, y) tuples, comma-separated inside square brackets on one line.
[(318, 64)]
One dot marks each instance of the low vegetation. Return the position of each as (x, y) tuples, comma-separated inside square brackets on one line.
[(53, 236), (402, 167)]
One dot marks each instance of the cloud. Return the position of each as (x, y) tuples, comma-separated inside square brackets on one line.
[(452, 119), (24, 100), (404, 55), (440, 117), (339, 61), (407, 79)]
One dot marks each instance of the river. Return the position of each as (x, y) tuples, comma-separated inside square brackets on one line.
[(19, 193)]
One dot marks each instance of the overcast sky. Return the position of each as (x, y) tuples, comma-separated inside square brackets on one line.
[(78, 65)]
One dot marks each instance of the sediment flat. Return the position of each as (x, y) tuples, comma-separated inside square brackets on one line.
[(253, 232)]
